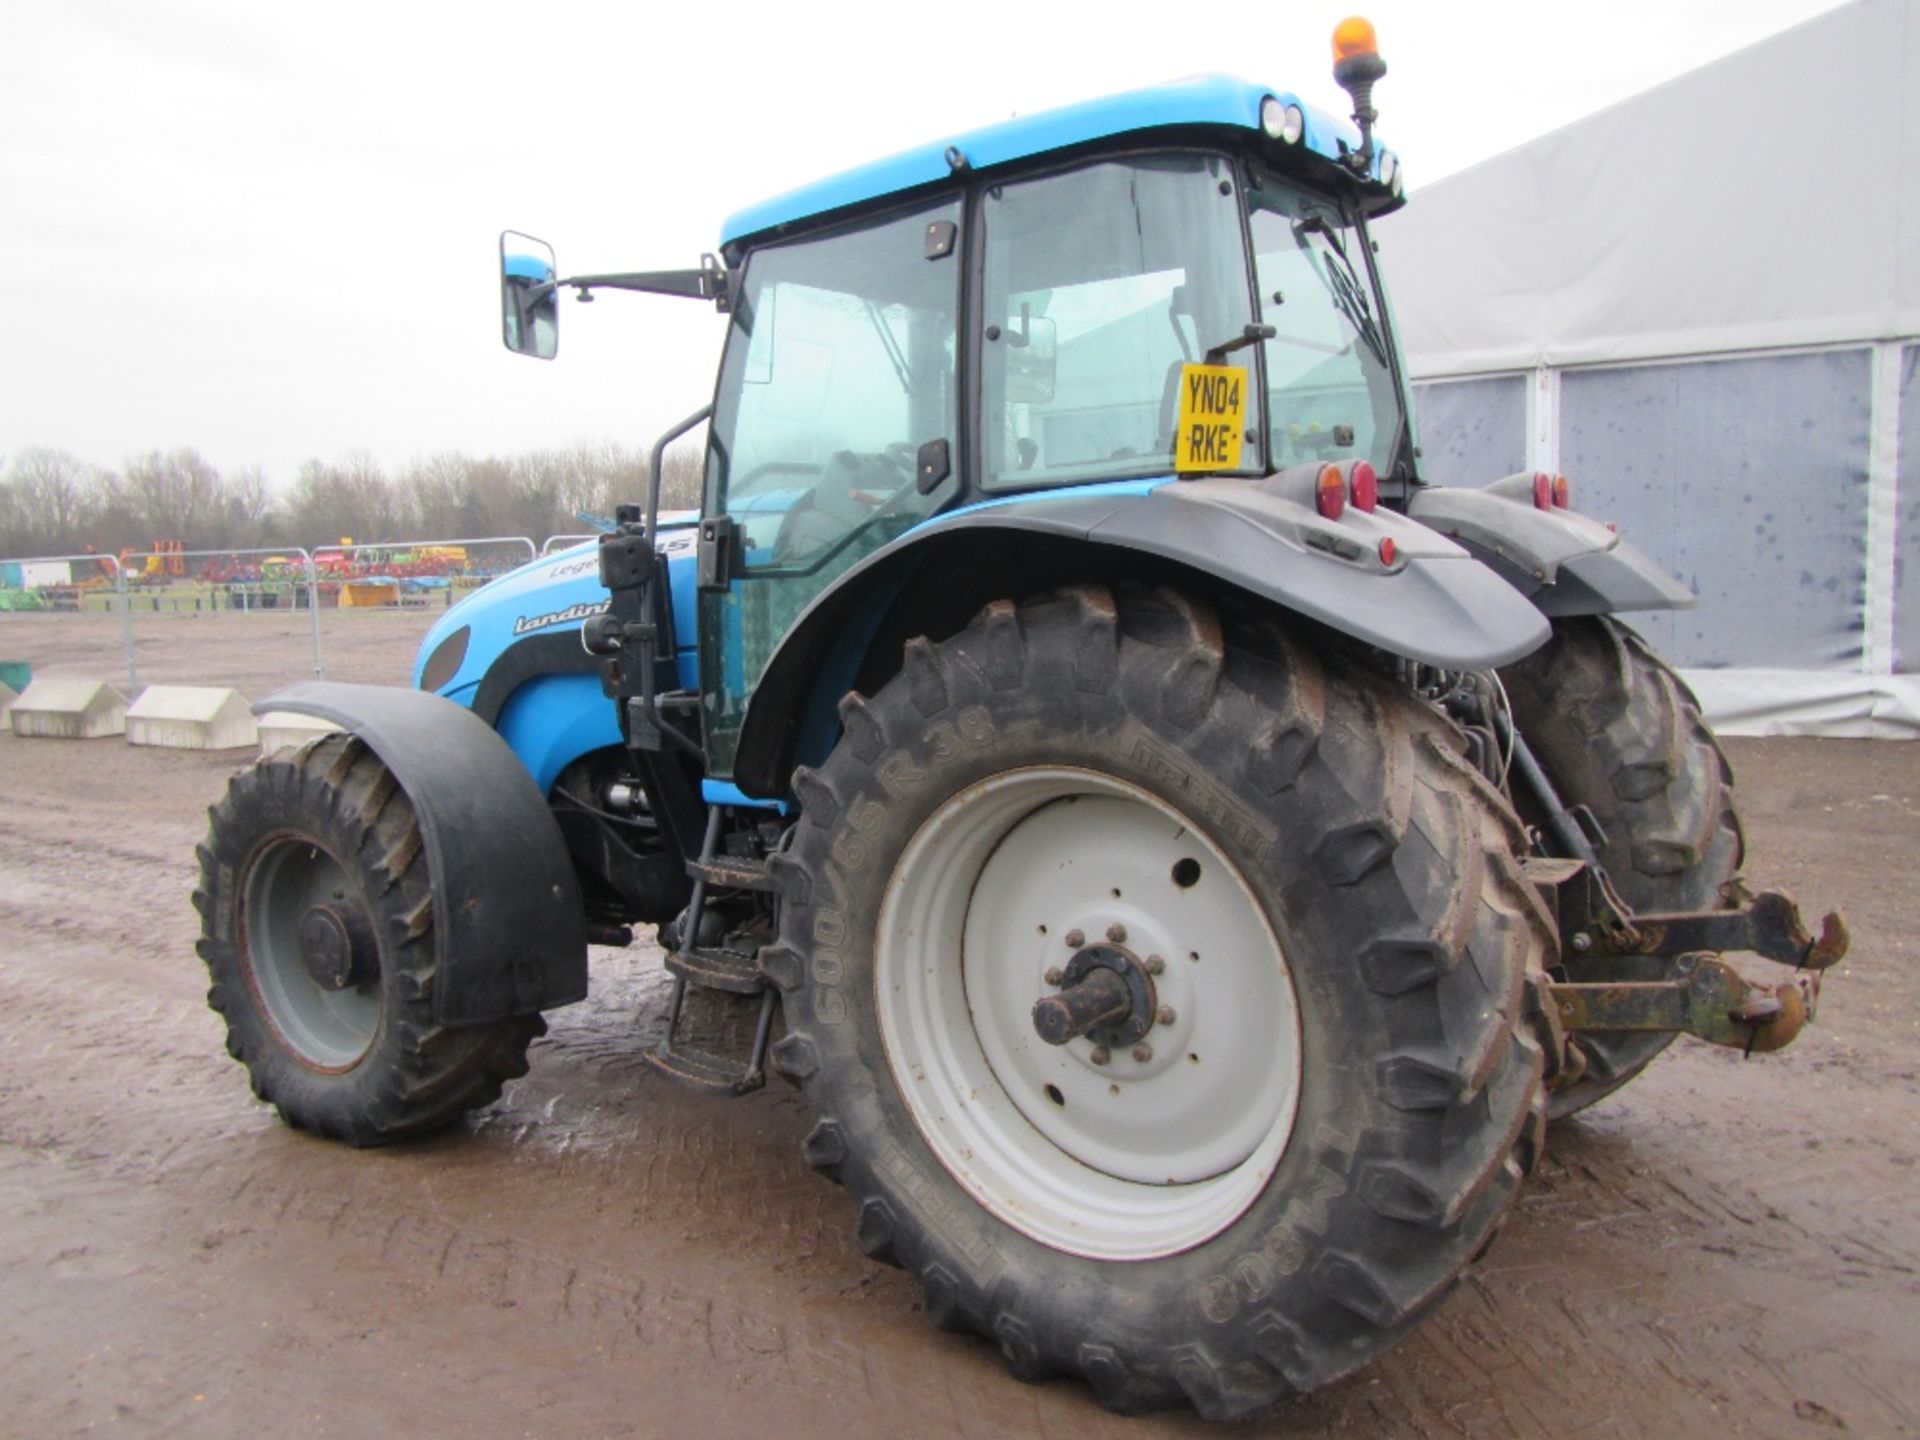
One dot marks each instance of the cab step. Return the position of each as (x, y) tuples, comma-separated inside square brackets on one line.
[(732, 872), (702, 1069), (716, 968), (735, 971)]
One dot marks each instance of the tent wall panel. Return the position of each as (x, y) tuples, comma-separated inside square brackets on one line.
[(1684, 221), (1906, 560), (1747, 478), (1472, 431)]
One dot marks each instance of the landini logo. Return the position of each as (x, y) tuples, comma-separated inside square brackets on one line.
[(559, 617)]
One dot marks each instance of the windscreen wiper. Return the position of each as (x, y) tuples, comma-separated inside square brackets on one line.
[(1349, 295), (902, 372)]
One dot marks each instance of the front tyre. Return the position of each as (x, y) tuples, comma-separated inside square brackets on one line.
[(318, 935), (1321, 1096)]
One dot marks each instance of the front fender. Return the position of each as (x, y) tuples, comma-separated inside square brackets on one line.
[(1567, 564), (1431, 602), (509, 928)]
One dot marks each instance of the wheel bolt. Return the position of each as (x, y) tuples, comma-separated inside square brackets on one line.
[(1101, 1055), (1056, 975), (1117, 934), (1143, 1053), (1165, 1015), (1155, 964), (1075, 939)]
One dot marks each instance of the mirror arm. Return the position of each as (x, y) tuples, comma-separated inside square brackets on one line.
[(709, 282)]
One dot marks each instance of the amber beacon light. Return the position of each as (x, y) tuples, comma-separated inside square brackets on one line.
[(1356, 65), (1353, 37)]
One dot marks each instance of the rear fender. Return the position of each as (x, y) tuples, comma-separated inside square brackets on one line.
[(509, 936), (1430, 601), (1567, 564)]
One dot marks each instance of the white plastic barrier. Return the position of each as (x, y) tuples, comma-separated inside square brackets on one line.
[(66, 707), (191, 717), (286, 730)]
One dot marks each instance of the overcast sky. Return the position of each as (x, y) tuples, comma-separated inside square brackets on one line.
[(268, 230)]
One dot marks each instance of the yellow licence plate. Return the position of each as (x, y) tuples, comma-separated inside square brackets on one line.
[(1213, 418)]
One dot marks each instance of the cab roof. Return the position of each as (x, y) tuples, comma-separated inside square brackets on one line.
[(1221, 100)]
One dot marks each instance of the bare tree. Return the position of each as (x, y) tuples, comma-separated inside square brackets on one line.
[(51, 501), (47, 495), (176, 496), (250, 508), (351, 498)]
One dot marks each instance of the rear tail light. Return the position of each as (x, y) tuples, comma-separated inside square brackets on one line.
[(1542, 491), (1562, 493), (1330, 493), (1389, 552), (1366, 487)]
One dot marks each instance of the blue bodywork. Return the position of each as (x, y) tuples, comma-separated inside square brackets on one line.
[(527, 267), (553, 719), (1203, 100)]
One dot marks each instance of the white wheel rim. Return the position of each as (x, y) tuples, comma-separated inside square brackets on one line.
[(1125, 1160)]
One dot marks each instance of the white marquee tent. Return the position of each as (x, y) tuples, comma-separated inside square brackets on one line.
[(1703, 306)]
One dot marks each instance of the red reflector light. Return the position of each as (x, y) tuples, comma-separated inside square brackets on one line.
[(1389, 552), (1562, 493), (1330, 493), (1543, 491), (1366, 487)]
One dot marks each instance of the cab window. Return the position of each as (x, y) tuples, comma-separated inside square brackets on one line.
[(1101, 284), (839, 367)]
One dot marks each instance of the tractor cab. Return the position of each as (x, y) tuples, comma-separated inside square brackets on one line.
[(1165, 284)]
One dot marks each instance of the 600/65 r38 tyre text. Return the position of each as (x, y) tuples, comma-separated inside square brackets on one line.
[(1335, 1095), (317, 930), (1619, 732)]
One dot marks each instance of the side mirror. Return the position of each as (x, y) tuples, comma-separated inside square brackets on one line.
[(529, 303), (1032, 359)]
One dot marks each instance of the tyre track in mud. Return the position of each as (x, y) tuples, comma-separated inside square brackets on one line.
[(1723, 1246)]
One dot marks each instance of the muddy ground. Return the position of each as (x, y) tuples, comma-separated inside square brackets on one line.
[(1726, 1248)]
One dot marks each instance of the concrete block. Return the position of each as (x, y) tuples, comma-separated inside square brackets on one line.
[(66, 707), (7, 697), (191, 717), (287, 730)]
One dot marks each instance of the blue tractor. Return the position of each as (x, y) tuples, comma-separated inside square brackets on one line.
[(1183, 856)]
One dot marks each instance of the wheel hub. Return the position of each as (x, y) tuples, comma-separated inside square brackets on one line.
[(328, 951), (1096, 982)]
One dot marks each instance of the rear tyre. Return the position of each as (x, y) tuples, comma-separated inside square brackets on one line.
[(1337, 1094), (317, 931), (1619, 732)]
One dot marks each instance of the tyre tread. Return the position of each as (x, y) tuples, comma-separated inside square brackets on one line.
[(420, 1075), (1400, 816)]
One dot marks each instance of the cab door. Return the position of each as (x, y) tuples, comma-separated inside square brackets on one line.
[(838, 386)]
